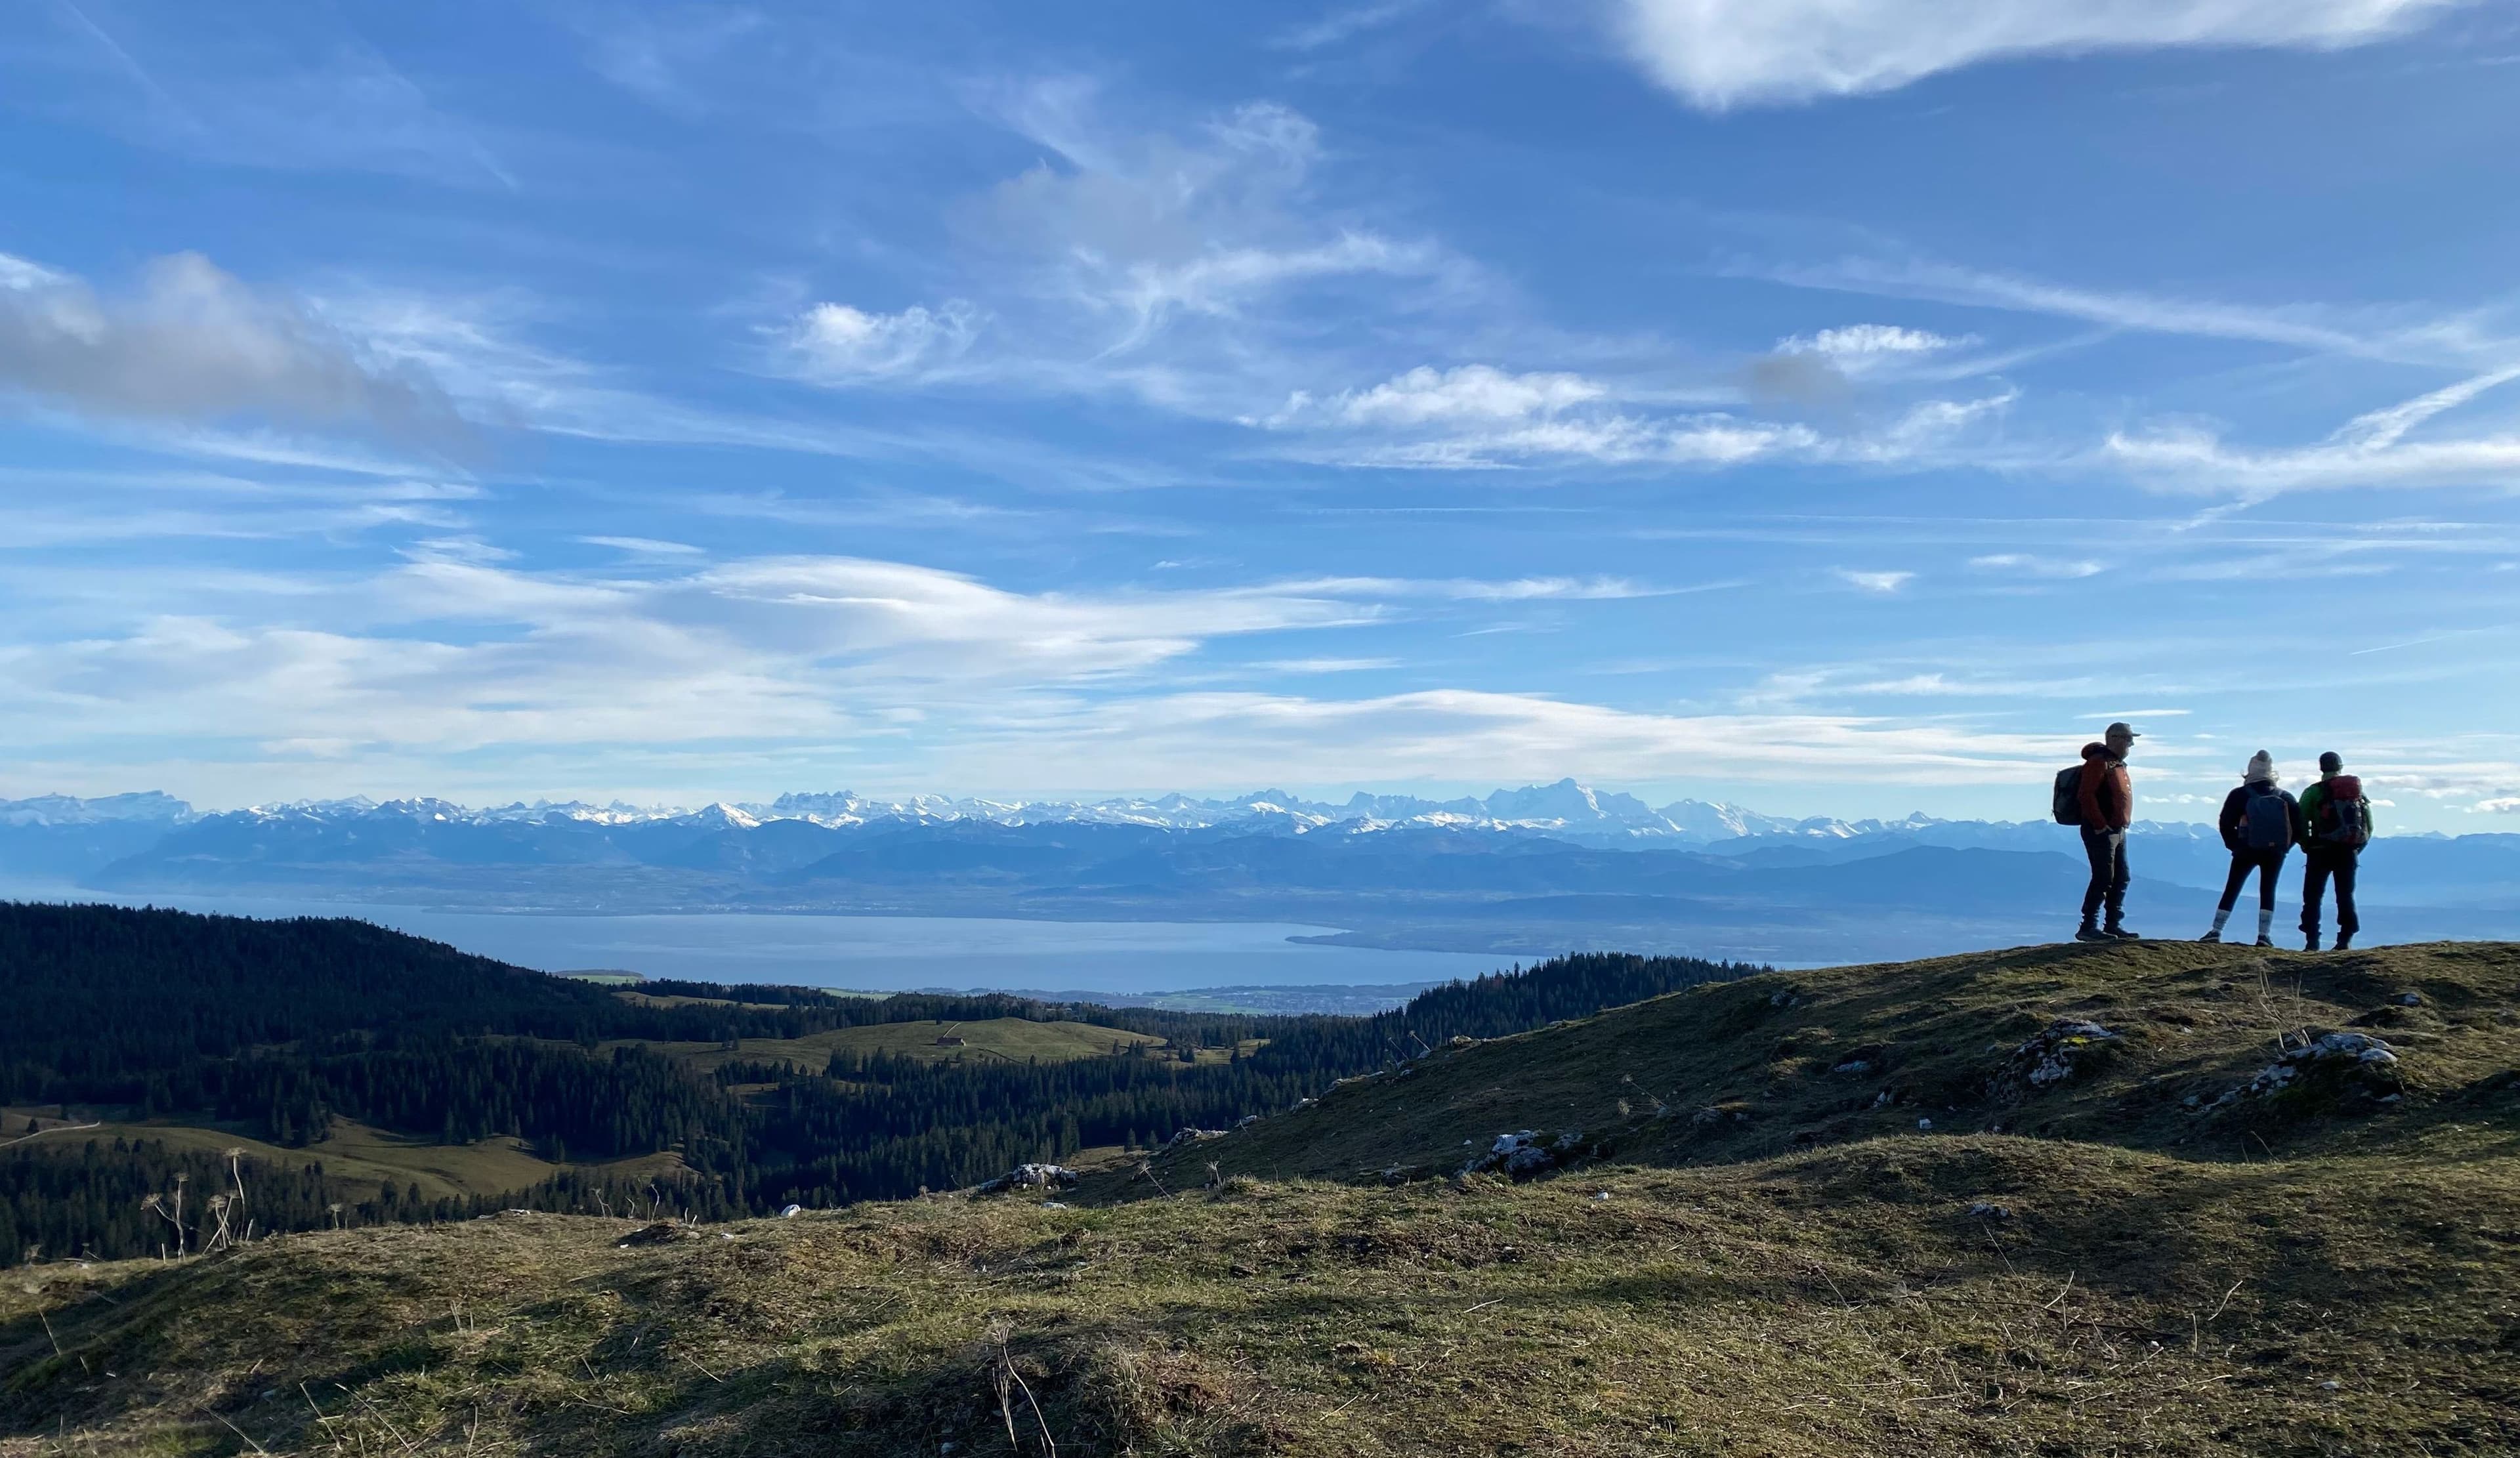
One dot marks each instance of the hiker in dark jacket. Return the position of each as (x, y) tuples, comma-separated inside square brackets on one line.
[(2260, 822), (2108, 808), (2336, 823)]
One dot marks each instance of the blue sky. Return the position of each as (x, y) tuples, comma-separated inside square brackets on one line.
[(1836, 406)]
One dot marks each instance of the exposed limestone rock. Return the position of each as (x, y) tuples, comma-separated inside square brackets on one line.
[(1527, 1153), (1030, 1177), (2053, 1055), (2338, 1071)]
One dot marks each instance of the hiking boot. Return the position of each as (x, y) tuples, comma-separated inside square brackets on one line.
[(2310, 941), (2265, 941), (2090, 933), (2344, 941), (2211, 937), (2121, 934)]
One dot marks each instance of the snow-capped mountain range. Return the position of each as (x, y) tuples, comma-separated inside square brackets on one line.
[(1564, 809), (1530, 871)]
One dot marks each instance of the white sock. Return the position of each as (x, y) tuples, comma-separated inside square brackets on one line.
[(2220, 914), (2265, 921)]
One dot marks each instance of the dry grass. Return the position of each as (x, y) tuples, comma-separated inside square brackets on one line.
[(2352, 1287), (1822, 1303)]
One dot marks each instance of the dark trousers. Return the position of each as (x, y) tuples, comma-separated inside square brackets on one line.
[(2269, 865), (2326, 862), (2107, 852)]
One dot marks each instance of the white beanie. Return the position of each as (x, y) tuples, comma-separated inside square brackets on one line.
[(2262, 767)]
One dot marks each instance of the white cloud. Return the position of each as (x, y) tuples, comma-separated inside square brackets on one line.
[(1469, 590), (2027, 564), (2370, 449), (457, 648), (642, 546), (914, 672), (1857, 341), (1469, 392), (193, 343), (1875, 582), (1476, 417), (455, 651), (1721, 53), (1326, 665), (837, 342), (2505, 805), (1707, 441)]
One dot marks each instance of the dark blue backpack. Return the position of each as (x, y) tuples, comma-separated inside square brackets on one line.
[(2267, 824)]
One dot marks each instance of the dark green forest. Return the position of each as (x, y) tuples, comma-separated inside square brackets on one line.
[(275, 1028)]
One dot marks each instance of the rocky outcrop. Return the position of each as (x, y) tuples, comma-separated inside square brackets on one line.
[(1527, 1153), (2054, 1056), (2334, 1072), (1030, 1177)]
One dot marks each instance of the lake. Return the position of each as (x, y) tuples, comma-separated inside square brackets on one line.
[(886, 954)]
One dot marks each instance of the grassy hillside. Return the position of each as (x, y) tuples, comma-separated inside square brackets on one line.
[(983, 1039), (357, 1157), (1768, 1065), (2306, 1269)]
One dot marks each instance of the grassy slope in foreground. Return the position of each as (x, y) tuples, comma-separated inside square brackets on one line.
[(2360, 1292)]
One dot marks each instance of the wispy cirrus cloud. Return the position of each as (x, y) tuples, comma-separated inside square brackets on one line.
[(1345, 23), (1180, 265), (2370, 449), (652, 51), (309, 96), (2398, 334), (1724, 54)]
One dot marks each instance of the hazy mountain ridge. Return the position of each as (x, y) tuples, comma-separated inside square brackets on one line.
[(1531, 871)]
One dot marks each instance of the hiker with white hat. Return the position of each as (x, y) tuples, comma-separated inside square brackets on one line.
[(2260, 822)]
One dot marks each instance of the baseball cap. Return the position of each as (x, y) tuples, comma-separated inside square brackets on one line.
[(2121, 727)]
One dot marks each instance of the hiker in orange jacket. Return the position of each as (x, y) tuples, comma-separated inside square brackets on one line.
[(2108, 808)]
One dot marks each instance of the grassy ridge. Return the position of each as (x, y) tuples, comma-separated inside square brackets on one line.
[(1739, 1070)]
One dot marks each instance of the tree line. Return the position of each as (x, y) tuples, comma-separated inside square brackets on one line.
[(280, 1026)]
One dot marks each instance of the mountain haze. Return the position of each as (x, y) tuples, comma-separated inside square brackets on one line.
[(1523, 872)]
